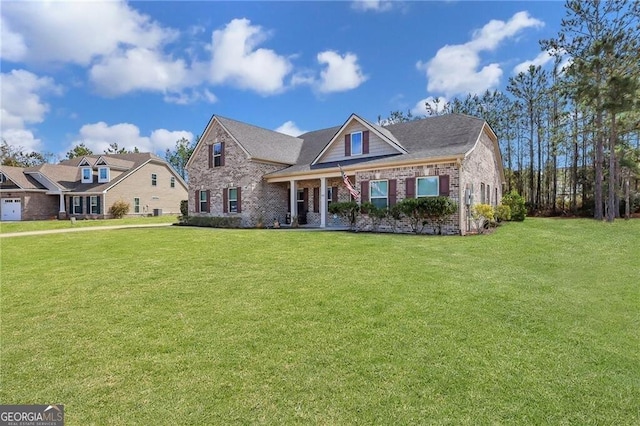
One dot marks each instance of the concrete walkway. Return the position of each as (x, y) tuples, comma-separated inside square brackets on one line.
[(150, 225), (81, 229)]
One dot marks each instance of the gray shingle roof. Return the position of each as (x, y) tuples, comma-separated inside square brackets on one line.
[(66, 174), (263, 144), (432, 137), (17, 176)]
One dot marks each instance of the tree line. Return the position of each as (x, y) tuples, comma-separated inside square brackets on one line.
[(570, 136)]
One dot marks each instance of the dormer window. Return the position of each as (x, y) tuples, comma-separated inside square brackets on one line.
[(356, 143), (3, 178), (87, 175), (103, 174)]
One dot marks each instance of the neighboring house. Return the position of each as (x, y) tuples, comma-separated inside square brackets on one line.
[(86, 187), (260, 175)]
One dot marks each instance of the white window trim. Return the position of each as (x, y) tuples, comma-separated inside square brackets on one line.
[(107, 179), (361, 143), (201, 201), (437, 178), (92, 205), (217, 156), (90, 178), (371, 197), (79, 204), (229, 200), (136, 207)]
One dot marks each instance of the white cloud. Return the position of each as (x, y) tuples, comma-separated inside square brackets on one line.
[(139, 69), (455, 68), (290, 128), (77, 32), (12, 47), (236, 60), (341, 73), (22, 105), (373, 5), (542, 59), (98, 137)]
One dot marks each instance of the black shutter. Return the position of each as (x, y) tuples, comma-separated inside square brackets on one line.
[(392, 192), (221, 153), (365, 142), (98, 198), (197, 201), (239, 197), (305, 200), (225, 201), (210, 156), (316, 199), (88, 210), (410, 188), (444, 185), (364, 191), (347, 145)]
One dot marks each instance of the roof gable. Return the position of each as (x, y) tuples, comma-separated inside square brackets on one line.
[(383, 135), (263, 144)]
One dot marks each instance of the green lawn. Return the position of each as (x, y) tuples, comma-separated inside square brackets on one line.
[(535, 324), (43, 225)]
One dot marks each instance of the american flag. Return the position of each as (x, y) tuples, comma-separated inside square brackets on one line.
[(354, 192)]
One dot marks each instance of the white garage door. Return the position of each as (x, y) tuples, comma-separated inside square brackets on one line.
[(11, 209)]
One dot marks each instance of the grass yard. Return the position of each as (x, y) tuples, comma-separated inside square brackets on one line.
[(534, 324), (45, 225)]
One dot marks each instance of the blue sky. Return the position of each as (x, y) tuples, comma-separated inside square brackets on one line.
[(146, 74)]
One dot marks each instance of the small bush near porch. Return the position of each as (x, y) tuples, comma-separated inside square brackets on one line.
[(536, 323)]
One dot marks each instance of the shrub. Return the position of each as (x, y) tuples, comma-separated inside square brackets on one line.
[(119, 209), (517, 205), (482, 215), (503, 213), (213, 221), (376, 214), (347, 209), (437, 210), (184, 207), (413, 209)]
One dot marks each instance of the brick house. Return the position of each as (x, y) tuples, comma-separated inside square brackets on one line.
[(86, 187), (260, 175)]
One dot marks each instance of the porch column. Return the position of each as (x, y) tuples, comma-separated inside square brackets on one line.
[(63, 212), (294, 199), (323, 202)]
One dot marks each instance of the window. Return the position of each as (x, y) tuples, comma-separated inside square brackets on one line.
[(3, 178), (329, 196), (482, 194), (379, 190), (495, 200), (103, 174), (217, 154), (93, 205), (233, 200), (356, 143), (77, 205), (136, 205), (488, 194), (203, 202), (428, 186), (173, 182), (87, 175), (154, 179)]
